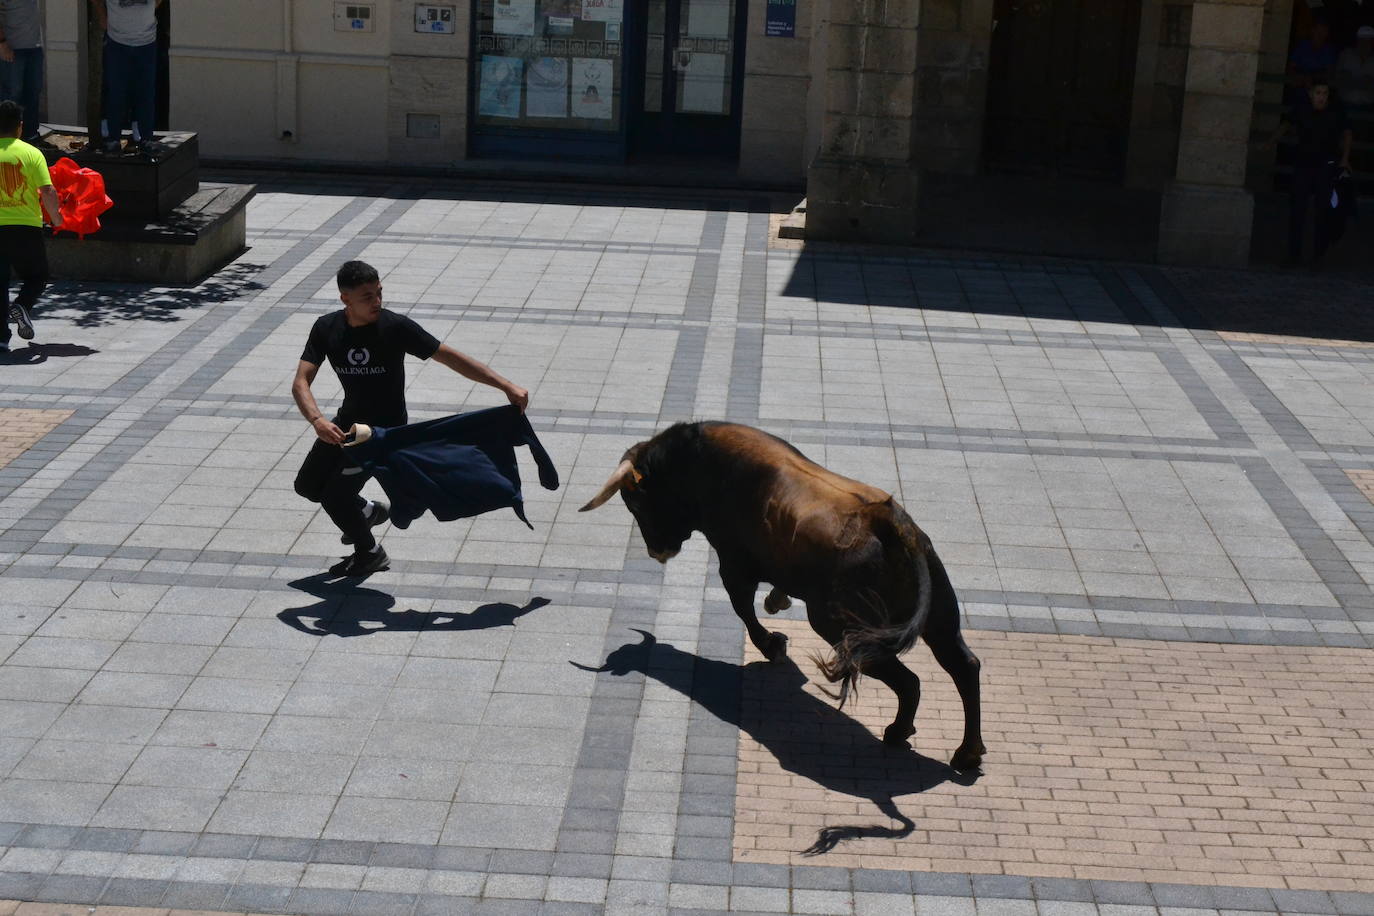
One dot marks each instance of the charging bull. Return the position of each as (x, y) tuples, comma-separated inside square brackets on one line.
[(869, 577)]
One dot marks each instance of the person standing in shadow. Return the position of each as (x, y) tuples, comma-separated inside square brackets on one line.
[(1321, 154)]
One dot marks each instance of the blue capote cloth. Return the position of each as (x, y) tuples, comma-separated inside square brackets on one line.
[(455, 467)]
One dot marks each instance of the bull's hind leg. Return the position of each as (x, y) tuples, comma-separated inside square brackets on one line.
[(741, 590), (963, 666), (777, 600), (907, 686)]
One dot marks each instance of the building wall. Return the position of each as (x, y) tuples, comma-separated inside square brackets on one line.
[(951, 85), (64, 58), (1157, 96), (1273, 65), (773, 128), (276, 80)]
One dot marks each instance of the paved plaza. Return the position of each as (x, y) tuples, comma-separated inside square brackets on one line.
[(1152, 489)]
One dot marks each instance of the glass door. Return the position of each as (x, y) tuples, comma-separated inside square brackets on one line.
[(690, 79)]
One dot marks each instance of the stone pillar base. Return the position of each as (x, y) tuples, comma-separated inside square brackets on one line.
[(1206, 225), (854, 200)]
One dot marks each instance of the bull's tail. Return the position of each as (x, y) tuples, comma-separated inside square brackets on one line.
[(873, 637)]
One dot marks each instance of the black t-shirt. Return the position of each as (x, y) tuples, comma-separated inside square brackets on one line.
[(1319, 134), (370, 363)]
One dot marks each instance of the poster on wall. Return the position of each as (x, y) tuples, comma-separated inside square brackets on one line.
[(780, 19), (499, 94), (603, 10), (513, 17), (591, 88), (709, 19), (546, 88), (703, 84)]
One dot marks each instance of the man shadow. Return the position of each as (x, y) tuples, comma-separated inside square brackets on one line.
[(808, 736), (36, 353), (345, 610)]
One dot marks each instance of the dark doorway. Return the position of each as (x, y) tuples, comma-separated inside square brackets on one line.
[(686, 78), (1059, 86)]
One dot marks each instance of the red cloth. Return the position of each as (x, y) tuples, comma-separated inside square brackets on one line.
[(80, 195)]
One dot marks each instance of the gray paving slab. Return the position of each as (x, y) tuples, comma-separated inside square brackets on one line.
[(1093, 466)]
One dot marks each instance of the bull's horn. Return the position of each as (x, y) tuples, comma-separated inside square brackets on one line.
[(624, 471)]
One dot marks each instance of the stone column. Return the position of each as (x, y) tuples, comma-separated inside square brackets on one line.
[(862, 184), (1207, 212)]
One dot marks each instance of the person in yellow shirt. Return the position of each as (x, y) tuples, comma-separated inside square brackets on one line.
[(25, 192)]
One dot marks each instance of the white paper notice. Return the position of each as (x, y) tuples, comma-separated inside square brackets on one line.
[(546, 88), (708, 18), (703, 84), (591, 88), (603, 10), (513, 17), (499, 95)]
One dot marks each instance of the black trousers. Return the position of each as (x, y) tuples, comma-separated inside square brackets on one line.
[(326, 478), (21, 252), (1310, 183)]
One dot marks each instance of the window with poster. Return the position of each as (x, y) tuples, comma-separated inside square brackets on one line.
[(547, 70)]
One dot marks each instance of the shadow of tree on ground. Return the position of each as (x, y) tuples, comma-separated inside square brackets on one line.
[(92, 305)]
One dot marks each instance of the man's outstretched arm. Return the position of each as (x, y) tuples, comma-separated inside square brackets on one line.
[(305, 403), (480, 372), (48, 195)]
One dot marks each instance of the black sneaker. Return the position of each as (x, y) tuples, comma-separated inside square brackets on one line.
[(379, 515), (362, 564), (22, 321), (4, 346)]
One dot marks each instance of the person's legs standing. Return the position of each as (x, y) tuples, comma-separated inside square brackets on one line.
[(1322, 214), (9, 91), (143, 90), (1298, 196), (117, 82), (28, 68)]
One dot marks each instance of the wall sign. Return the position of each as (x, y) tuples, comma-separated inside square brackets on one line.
[(434, 20), (351, 17), (780, 18)]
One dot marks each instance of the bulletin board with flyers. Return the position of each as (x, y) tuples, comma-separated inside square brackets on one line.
[(548, 65)]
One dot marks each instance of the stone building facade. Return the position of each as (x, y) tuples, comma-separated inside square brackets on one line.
[(854, 100)]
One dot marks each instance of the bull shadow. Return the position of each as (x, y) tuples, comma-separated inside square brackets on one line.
[(808, 736), (346, 611)]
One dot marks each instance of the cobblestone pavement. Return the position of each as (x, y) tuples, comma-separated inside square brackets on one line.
[(1158, 518)]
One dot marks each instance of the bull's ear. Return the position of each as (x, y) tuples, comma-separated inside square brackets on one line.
[(632, 481)]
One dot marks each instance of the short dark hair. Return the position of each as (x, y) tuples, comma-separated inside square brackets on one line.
[(355, 273), (11, 116)]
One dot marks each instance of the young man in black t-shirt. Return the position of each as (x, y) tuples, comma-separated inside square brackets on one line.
[(1322, 152), (366, 346)]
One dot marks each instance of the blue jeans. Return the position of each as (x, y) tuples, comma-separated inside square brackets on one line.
[(22, 82), (130, 85)]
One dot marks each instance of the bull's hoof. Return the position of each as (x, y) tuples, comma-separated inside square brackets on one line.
[(895, 736), (776, 650), (968, 758), (776, 600)]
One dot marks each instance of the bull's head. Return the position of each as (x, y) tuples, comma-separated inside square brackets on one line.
[(651, 495)]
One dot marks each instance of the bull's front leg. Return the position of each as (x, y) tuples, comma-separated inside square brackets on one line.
[(741, 589)]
